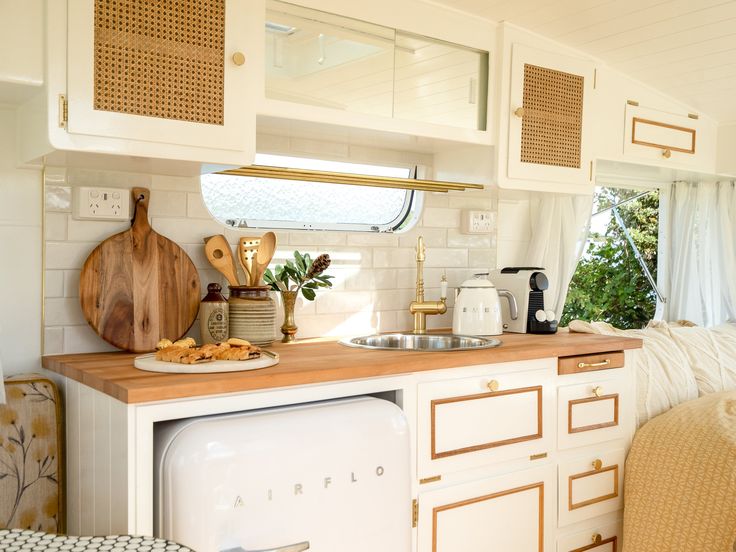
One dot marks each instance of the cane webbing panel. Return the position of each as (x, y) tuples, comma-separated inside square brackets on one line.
[(551, 127), (161, 59)]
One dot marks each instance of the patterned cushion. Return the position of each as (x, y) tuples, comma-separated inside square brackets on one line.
[(17, 540), (31, 461)]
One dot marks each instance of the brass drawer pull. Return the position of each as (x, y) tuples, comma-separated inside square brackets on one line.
[(597, 464), (519, 112), (594, 364), (597, 538), (492, 386), (597, 390), (667, 153), (238, 58)]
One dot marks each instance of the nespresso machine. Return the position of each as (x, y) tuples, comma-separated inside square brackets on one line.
[(527, 284)]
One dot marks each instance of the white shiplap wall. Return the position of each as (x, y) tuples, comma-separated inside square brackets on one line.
[(20, 256), (375, 273)]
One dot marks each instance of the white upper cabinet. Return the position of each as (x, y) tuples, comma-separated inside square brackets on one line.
[(132, 77), (21, 32), (545, 121)]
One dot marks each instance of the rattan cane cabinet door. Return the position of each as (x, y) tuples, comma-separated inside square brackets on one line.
[(549, 119), (176, 71)]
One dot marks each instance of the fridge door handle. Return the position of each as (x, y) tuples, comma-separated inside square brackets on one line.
[(298, 547)]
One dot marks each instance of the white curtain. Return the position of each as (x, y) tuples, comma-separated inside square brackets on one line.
[(559, 230), (700, 228)]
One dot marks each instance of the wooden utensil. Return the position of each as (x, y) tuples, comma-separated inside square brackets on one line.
[(263, 256), (219, 255), (138, 287), (246, 251)]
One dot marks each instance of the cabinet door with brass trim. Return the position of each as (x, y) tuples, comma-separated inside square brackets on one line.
[(604, 538), (470, 422), (591, 412), (187, 73), (591, 486), (514, 512)]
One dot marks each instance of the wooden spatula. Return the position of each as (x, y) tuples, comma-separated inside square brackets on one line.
[(263, 256), (246, 251), (219, 255)]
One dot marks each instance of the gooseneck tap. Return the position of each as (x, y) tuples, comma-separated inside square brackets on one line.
[(419, 307)]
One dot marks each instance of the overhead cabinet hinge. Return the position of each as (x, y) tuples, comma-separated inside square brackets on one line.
[(63, 111), (414, 512)]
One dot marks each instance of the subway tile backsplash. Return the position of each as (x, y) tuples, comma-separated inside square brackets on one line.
[(374, 273)]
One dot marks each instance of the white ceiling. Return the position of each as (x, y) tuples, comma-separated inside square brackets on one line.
[(685, 48)]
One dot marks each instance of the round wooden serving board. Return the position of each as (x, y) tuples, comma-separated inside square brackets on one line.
[(138, 287), (150, 364)]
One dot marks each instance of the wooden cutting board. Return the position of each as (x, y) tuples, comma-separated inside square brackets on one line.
[(137, 286)]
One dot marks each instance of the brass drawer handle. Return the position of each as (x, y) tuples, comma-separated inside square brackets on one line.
[(492, 386), (597, 538), (597, 391), (594, 364), (667, 153), (597, 464), (519, 112)]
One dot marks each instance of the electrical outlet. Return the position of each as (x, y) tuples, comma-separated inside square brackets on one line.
[(477, 222), (91, 203)]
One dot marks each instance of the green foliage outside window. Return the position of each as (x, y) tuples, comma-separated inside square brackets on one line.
[(609, 284)]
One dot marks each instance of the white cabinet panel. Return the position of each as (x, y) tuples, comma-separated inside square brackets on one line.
[(207, 72), (514, 512), (590, 412), (474, 421), (591, 486), (662, 137), (549, 120)]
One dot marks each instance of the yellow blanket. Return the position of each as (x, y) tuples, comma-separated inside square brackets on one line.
[(680, 487)]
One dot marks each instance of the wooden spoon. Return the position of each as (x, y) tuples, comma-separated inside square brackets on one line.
[(263, 257), (246, 251), (219, 255)]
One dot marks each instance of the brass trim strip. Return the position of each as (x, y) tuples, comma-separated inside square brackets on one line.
[(432, 479), (575, 505), (493, 444), (595, 545), (469, 501), (329, 177), (580, 429), (693, 116), (691, 131), (633, 102)]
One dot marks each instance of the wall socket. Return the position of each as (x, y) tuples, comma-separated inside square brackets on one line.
[(477, 222), (92, 203)]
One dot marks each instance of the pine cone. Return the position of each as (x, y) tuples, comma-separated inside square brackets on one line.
[(319, 265)]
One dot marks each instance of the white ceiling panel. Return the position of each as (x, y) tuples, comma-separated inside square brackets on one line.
[(685, 48)]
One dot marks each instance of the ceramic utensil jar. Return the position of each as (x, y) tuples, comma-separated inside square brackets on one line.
[(252, 314), (214, 321)]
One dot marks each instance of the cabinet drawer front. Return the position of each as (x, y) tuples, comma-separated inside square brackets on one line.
[(475, 421), (590, 363), (591, 486), (511, 512), (606, 538), (661, 136), (590, 412)]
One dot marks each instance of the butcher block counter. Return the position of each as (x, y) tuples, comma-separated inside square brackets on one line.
[(311, 362)]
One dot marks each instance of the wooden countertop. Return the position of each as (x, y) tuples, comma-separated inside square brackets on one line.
[(312, 361)]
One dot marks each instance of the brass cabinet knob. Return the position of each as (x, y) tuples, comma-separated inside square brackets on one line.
[(519, 112), (597, 538), (597, 390), (597, 464), (667, 153), (492, 386), (238, 58)]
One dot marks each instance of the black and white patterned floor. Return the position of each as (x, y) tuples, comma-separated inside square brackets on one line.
[(17, 540)]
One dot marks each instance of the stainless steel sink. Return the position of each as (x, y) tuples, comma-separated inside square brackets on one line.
[(421, 342)]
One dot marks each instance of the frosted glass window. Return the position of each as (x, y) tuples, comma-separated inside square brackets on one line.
[(248, 202)]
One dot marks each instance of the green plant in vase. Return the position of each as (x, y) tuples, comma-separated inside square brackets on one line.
[(302, 274)]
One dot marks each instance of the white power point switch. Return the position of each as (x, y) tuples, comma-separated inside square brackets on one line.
[(477, 222), (101, 204)]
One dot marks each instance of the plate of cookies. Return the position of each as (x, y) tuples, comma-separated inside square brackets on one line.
[(186, 357)]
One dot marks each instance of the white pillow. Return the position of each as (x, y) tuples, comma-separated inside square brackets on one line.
[(711, 353)]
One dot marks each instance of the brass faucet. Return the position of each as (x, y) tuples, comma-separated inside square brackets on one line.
[(419, 307)]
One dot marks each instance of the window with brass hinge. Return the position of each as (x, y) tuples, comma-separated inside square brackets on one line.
[(63, 111), (414, 512)]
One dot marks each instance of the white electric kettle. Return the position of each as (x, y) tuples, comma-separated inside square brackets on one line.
[(478, 308)]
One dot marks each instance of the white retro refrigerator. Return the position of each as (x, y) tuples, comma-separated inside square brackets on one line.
[(330, 476)]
